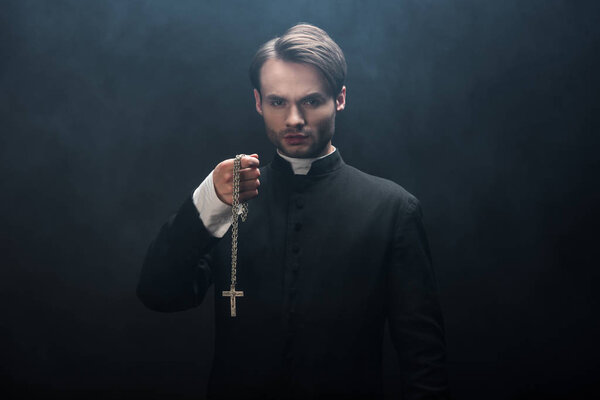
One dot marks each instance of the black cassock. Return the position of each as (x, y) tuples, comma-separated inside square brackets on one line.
[(324, 259)]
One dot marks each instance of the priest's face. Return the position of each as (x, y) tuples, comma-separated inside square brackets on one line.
[(298, 110)]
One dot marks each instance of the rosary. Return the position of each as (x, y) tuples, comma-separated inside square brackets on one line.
[(235, 206)]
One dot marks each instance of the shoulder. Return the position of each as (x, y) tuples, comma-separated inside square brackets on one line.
[(375, 188)]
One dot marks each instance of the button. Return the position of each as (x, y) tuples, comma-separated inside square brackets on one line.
[(296, 249), (299, 204), (297, 226)]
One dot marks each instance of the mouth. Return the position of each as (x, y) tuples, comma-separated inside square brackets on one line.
[(295, 138)]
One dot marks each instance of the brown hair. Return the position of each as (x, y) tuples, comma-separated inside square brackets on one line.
[(308, 44)]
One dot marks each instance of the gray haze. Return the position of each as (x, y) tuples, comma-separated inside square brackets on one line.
[(112, 112)]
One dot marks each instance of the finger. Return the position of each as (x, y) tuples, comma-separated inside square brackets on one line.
[(249, 185), (250, 162), (250, 173)]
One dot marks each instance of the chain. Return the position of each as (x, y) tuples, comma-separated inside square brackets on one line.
[(235, 207)]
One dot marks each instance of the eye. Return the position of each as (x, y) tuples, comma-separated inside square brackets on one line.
[(311, 101), (276, 102)]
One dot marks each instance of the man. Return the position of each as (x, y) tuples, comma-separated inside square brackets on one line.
[(327, 255)]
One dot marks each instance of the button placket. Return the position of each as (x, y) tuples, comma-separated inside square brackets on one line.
[(296, 205)]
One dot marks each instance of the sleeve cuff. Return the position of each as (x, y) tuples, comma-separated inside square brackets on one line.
[(215, 215)]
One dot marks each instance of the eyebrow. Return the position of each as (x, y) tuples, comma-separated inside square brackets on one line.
[(277, 97)]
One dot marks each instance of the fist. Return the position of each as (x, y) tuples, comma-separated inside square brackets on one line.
[(249, 173)]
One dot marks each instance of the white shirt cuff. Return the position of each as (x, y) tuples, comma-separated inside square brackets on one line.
[(215, 215)]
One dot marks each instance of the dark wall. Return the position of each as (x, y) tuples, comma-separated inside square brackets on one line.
[(112, 112)]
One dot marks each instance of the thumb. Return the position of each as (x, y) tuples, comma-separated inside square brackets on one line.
[(250, 161)]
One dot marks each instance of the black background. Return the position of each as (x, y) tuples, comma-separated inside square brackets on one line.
[(112, 112)]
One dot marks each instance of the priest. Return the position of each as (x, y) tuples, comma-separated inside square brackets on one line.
[(326, 255)]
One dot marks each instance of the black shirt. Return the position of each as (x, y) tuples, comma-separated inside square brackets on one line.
[(324, 259)]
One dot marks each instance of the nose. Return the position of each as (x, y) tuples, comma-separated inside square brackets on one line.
[(294, 117)]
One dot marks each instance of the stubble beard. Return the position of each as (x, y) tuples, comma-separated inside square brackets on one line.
[(318, 144)]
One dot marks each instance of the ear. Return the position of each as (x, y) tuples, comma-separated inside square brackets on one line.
[(340, 100), (258, 101)]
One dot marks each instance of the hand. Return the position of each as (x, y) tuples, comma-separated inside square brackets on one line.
[(249, 183)]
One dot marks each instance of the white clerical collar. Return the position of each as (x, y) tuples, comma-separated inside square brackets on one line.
[(301, 166)]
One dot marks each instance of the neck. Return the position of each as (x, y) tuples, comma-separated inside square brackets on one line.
[(301, 166)]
